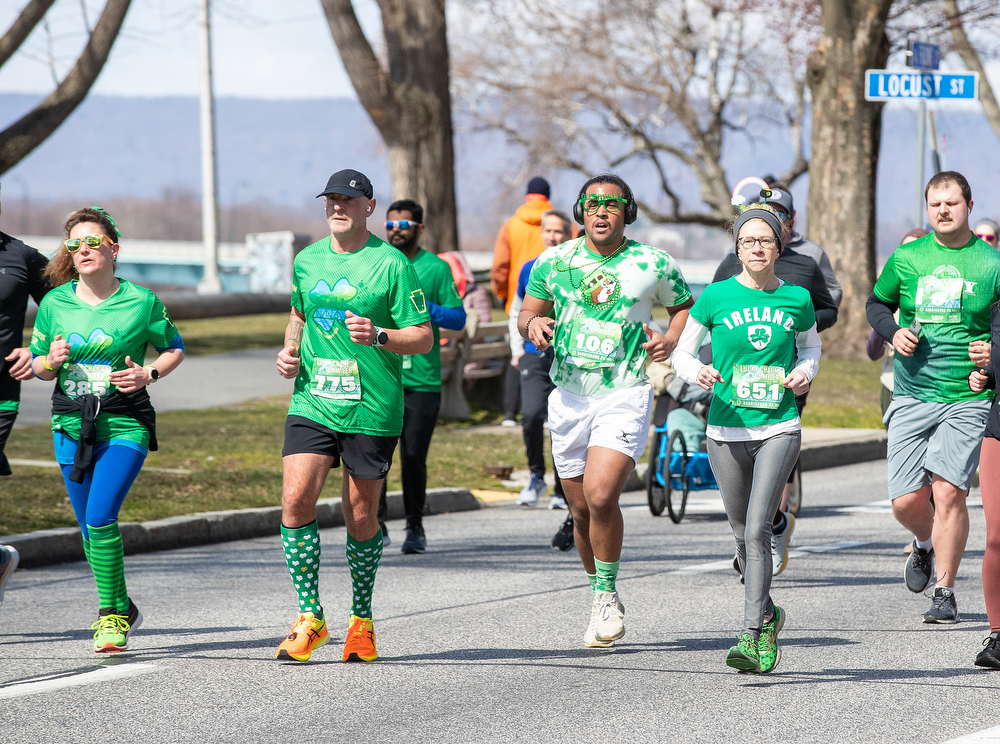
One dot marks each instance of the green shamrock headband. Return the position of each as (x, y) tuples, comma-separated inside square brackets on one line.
[(101, 211)]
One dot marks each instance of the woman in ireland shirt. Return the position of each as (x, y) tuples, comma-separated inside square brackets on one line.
[(91, 336), (765, 350)]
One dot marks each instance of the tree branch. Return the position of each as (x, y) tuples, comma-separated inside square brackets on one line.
[(971, 59), (24, 135), (22, 27)]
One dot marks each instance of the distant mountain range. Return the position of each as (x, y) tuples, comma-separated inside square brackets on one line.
[(283, 152)]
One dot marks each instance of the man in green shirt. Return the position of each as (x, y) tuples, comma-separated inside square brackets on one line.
[(601, 288), (944, 286), (357, 307), (421, 372)]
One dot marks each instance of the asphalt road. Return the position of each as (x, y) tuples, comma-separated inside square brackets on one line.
[(480, 640)]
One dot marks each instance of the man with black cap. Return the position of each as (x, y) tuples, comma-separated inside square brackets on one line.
[(357, 307), (519, 240)]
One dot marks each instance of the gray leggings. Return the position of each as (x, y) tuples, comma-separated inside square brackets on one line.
[(751, 477)]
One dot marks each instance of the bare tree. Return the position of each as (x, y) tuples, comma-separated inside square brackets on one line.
[(614, 82), (408, 98), (24, 135), (970, 56)]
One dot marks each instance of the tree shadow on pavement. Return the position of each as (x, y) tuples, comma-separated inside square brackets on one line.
[(919, 677)]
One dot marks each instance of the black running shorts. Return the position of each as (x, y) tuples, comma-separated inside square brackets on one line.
[(364, 456)]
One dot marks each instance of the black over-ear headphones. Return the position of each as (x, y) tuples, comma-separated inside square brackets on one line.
[(631, 208)]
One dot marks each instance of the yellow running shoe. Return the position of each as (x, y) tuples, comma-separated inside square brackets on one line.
[(360, 645), (308, 634), (111, 634)]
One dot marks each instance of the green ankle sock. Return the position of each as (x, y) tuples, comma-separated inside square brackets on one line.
[(363, 559), (606, 575), (107, 560), (592, 578), (302, 551)]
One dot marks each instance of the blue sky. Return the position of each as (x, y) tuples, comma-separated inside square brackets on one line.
[(262, 49)]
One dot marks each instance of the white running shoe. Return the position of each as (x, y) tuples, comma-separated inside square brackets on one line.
[(589, 638), (9, 558), (530, 494), (779, 545), (508, 423), (610, 624), (558, 502)]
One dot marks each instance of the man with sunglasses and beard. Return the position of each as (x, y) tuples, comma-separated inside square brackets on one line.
[(601, 288), (421, 372)]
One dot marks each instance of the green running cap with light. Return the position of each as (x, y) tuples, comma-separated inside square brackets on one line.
[(111, 219)]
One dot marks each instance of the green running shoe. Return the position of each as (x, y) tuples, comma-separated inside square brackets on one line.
[(744, 655), (113, 629), (770, 652)]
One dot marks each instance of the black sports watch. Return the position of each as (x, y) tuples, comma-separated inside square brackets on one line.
[(381, 337)]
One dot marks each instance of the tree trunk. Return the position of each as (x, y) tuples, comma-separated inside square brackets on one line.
[(410, 103), (24, 135), (845, 147), (971, 59)]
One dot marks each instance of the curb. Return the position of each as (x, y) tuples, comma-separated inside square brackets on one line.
[(64, 544)]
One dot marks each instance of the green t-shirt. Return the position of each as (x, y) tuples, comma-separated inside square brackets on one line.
[(423, 371), (345, 386), (950, 291), (753, 341), (100, 337), (600, 306)]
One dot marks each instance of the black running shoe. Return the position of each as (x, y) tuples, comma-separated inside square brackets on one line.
[(989, 657), (415, 542), (919, 569), (563, 539), (944, 608)]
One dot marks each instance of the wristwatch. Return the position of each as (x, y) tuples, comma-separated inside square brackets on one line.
[(154, 373), (381, 337)]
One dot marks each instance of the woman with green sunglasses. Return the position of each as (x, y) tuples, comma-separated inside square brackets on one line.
[(91, 336)]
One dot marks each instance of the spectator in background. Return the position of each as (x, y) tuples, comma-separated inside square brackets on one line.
[(536, 384), (474, 298), (877, 345), (519, 240), (988, 230)]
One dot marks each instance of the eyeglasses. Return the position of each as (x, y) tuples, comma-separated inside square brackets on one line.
[(400, 224), (765, 243), (988, 237), (92, 241), (593, 202)]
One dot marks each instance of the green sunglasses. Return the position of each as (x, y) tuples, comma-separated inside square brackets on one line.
[(92, 241)]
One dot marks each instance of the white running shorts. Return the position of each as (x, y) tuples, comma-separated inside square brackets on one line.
[(619, 421)]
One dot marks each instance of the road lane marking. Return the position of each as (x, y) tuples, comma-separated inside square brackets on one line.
[(727, 564), (50, 684), (980, 737)]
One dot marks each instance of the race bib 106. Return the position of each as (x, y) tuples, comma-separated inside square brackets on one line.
[(757, 386), (335, 378), (593, 343)]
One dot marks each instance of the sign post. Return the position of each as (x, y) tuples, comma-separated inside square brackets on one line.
[(922, 83)]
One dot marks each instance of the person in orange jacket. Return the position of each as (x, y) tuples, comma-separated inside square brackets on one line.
[(519, 241)]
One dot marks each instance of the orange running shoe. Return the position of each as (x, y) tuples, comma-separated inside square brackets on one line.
[(360, 644), (308, 634)]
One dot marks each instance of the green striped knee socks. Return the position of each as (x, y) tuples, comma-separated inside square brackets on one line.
[(107, 560)]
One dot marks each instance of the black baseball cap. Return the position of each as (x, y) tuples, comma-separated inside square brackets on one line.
[(349, 183)]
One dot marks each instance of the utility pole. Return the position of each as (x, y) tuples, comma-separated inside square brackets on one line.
[(210, 283)]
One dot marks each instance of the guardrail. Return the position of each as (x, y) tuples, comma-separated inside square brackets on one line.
[(189, 306)]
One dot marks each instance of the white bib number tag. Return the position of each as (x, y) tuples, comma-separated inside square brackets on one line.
[(594, 343), (336, 378), (756, 386), (407, 361), (87, 379)]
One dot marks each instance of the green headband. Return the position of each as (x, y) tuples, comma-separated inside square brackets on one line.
[(111, 219)]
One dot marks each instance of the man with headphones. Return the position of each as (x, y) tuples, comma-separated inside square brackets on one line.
[(357, 307), (599, 290)]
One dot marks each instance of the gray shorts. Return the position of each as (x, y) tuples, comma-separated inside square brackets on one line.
[(939, 438)]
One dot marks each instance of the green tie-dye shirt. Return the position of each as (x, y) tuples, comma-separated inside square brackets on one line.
[(600, 307)]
